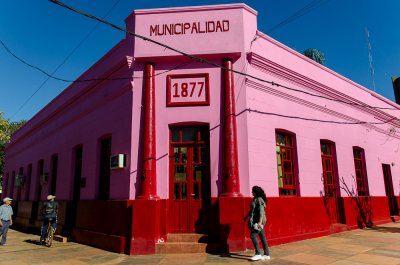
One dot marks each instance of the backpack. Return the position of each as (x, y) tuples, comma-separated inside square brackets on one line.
[(49, 209)]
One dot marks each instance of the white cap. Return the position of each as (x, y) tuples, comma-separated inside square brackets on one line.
[(7, 199), (50, 197)]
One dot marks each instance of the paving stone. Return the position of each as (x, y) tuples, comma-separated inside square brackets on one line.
[(375, 259), (310, 259), (347, 262), (385, 252), (356, 247), (336, 254), (350, 248)]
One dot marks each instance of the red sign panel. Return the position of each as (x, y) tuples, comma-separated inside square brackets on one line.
[(188, 90)]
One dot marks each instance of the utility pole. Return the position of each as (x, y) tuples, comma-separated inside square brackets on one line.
[(371, 67)]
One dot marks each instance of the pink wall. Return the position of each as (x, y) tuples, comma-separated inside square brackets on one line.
[(273, 61), (84, 112), (80, 115), (242, 21)]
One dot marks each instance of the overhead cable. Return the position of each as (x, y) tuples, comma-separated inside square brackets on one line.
[(202, 60), (299, 13), (89, 79), (62, 63)]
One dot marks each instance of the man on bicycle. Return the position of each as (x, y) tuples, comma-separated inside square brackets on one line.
[(49, 211)]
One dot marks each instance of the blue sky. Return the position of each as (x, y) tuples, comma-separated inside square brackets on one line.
[(44, 34)]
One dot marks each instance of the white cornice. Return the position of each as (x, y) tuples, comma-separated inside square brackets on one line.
[(194, 8), (263, 64), (279, 93)]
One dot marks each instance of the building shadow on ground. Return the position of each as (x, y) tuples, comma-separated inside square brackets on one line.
[(385, 229)]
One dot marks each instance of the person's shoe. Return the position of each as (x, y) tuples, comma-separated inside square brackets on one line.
[(256, 257), (266, 257)]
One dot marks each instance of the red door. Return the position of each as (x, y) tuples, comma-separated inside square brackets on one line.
[(387, 175), (329, 178), (189, 178)]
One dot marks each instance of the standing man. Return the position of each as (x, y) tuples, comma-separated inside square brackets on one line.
[(6, 213), (49, 210)]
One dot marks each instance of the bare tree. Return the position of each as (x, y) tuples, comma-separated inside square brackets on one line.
[(362, 204)]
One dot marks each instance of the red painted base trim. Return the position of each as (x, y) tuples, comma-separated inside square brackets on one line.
[(141, 223), (298, 218), (232, 211), (149, 224), (108, 231), (104, 241), (142, 247), (288, 239)]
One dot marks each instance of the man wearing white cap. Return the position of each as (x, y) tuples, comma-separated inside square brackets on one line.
[(6, 213), (49, 210)]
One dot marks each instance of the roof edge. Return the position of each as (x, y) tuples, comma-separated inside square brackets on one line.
[(194, 8), (323, 67)]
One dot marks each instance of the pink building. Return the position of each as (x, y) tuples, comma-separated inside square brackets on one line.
[(188, 138)]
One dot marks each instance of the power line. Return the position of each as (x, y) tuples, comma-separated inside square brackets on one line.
[(371, 67), (179, 66), (195, 58), (90, 79), (62, 63), (199, 59), (316, 120), (299, 13), (331, 99)]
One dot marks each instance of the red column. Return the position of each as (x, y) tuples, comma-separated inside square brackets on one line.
[(231, 185), (149, 176)]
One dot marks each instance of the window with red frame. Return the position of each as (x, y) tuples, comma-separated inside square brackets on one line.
[(285, 164), (5, 185), (327, 157), (361, 176)]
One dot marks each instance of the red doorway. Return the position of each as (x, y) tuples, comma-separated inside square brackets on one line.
[(189, 191), (387, 175)]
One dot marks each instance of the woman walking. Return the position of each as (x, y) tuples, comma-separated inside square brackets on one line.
[(257, 222)]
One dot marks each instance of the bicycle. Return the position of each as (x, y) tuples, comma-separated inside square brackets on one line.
[(49, 234)]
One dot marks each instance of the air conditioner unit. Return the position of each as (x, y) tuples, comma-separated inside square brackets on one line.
[(118, 161)]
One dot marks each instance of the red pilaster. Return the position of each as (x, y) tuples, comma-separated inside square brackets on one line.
[(149, 177), (231, 185)]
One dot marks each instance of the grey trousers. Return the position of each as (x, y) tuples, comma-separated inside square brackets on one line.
[(261, 234), (3, 231)]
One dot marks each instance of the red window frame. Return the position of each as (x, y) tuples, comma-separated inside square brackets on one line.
[(12, 184), (28, 182), (328, 168), (20, 173), (5, 184), (361, 173), (205, 102), (286, 163)]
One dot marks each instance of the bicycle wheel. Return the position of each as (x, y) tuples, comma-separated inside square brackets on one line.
[(49, 236)]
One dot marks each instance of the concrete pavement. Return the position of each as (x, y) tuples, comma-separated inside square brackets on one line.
[(379, 245)]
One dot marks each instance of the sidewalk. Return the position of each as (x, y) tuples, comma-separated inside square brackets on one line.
[(380, 245)]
